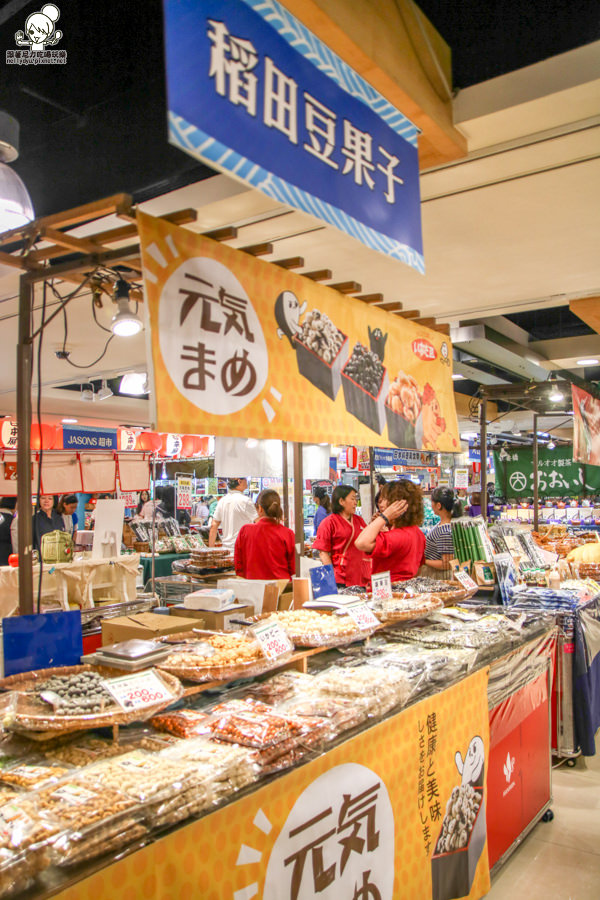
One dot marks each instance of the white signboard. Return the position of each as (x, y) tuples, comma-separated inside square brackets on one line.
[(139, 690)]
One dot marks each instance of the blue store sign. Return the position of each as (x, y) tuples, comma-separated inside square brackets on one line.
[(255, 94), (387, 458), (89, 438)]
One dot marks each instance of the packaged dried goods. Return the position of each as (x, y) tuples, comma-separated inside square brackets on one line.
[(307, 628), (183, 723), (30, 777), (404, 608), (215, 657)]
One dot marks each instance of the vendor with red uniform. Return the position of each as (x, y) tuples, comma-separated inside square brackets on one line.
[(336, 539), (266, 549), (393, 538)]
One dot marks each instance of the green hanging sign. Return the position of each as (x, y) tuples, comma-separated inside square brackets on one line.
[(558, 474)]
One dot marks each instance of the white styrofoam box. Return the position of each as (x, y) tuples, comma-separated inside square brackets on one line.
[(247, 591), (214, 599)]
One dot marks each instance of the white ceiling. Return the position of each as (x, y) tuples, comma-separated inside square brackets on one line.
[(514, 226)]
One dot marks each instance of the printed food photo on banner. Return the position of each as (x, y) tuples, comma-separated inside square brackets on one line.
[(232, 333)]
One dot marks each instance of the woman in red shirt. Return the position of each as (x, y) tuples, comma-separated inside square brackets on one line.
[(393, 538), (336, 539), (266, 548)]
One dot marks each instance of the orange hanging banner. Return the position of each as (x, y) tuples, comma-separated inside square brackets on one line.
[(243, 348)]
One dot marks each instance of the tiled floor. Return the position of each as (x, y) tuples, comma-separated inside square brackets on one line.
[(560, 860)]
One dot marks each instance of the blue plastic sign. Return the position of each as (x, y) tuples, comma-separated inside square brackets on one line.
[(89, 438), (41, 641), (255, 94), (387, 458)]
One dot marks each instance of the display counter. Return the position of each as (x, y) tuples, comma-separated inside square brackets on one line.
[(368, 776)]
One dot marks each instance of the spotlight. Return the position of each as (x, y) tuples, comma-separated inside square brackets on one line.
[(125, 323), (556, 396), (105, 393), (69, 421), (135, 383), (551, 445), (87, 394)]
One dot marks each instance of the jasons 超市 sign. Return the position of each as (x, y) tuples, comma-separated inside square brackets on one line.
[(405, 817), (233, 334), (558, 474), (255, 94)]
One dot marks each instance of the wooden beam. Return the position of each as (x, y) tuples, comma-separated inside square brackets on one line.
[(347, 287), (426, 322), (258, 249), (391, 307), (229, 233), (63, 239), (409, 314), (95, 210), (16, 262), (294, 262), (372, 298), (319, 275), (442, 327), (85, 263)]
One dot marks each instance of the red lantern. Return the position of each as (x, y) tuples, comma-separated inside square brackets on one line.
[(126, 439), (13, 560), (9, 434), (351, 457), (149, 441), (200, 446), (44, 437), (187, 445)]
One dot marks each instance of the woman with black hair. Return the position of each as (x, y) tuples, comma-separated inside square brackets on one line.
[(266, 549), (438, 546), (321, 498), (336, 538)]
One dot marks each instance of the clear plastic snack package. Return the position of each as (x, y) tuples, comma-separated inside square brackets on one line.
[(183, 723)]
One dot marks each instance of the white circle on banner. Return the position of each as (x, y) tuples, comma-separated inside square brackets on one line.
[(337, 842), (211, 338), (518, 481)]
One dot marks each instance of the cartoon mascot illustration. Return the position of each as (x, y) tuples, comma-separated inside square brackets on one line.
[(287, 315), (462, 836)]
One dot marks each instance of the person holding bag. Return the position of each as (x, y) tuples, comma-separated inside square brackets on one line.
[(336, 539)]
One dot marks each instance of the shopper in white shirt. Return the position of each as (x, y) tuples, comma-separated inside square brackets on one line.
[(233, 511)]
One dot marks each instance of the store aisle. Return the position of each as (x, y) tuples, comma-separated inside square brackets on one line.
[(560, 860)]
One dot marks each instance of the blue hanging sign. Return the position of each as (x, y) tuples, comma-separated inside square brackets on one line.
[(255, 94), (387, 458), (89, 438)]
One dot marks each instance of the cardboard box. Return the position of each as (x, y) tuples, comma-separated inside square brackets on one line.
[(143, 625), (215, 621), (263, 595)]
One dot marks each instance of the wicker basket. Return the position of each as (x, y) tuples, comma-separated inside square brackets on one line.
[(31, 715)]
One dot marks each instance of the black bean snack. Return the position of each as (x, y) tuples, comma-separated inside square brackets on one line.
[(75, 695), (365, 368)]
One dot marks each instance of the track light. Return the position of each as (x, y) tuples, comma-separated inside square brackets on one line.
[(551, 445), (556, 396), (125, 323), (105, 393), (87, 394), (135, 383)]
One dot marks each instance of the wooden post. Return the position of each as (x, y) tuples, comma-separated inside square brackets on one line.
[(536, 488), (153, 541), (298, 504), (372, 479), (483, 452), (286, 483), (24, 521)]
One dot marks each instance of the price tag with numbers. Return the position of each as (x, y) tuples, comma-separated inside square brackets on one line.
[(139, 689), (466, 580), (381, 585), (273, 639), (362, 615)]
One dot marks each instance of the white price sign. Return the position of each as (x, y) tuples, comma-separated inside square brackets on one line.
[(273, 639), (461, 479), (362, 615), (184, 493), (466, 580), (139, 689), (381, 585)]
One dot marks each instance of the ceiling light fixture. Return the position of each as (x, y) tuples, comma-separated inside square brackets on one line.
[(105, 393), (251, 443), (551, 445), (87, 394), (125, 323), (587, 362), (469, 435), (135, 383), (458, 377), (16, 208), (69, 421)]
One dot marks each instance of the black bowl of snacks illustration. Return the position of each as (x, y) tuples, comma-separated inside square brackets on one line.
[(462, 836), (403, 406), (365, 383), (321, 351)]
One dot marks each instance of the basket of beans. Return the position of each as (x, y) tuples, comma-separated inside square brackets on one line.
[(365, 383), (321, 351)]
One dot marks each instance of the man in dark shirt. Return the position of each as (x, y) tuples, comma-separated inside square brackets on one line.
[(45, 520)]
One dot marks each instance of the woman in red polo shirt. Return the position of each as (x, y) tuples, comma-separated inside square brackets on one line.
[(336, 539), (393, 538), (266, 548)]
